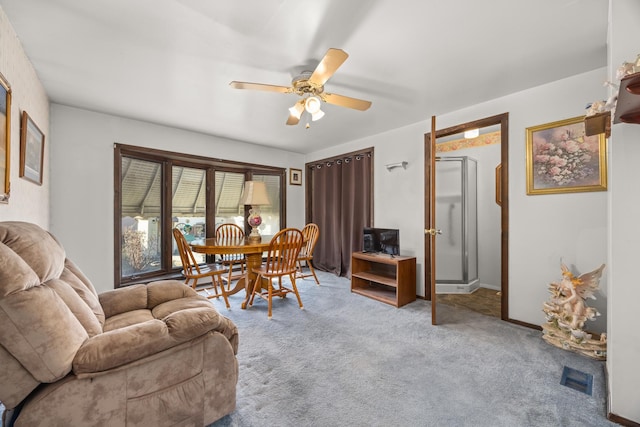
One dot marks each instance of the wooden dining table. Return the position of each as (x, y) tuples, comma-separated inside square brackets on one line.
[(224, 246)]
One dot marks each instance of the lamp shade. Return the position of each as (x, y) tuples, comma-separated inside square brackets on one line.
[(254, 193)]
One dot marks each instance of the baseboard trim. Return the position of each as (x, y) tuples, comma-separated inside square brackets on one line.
[(621, 420), (525, 324)]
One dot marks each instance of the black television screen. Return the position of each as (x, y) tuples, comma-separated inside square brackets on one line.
[(381, 240)]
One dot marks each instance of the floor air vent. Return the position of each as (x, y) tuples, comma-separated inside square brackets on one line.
[(577, 380)]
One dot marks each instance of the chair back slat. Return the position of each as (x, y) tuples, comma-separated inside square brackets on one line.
[(283, 251), (229, 231), (310, 234), (187, 258)]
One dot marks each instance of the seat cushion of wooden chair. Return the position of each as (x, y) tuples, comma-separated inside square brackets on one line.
[(272, 273), (212, 269)]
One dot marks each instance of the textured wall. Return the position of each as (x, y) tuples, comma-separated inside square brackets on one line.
[(28, 201)]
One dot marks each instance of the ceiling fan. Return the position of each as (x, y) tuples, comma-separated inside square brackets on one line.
[(310, 86)]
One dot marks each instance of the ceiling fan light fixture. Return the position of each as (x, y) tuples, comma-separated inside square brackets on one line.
[(317, 115), (296, 110), (312, 104)]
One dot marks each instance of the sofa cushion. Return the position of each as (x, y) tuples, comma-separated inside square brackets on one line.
[(77, 305), (39, 330), (15, 273), (83, 287), (127, 319), (125, 299), (36, 247)]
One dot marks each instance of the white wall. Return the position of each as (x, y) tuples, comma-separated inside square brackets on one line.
[(27, 201), (623, 350), (543, 229), (82, 184)]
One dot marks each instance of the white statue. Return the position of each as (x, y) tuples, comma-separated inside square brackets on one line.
[(567, 312)]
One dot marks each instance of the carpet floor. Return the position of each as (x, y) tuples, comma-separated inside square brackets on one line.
[(347, 360)]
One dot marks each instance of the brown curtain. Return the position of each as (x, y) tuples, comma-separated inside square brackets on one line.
[(341, 204)]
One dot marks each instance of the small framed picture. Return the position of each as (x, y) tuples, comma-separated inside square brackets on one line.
[(295, 176), (561, 158), (31, 150)]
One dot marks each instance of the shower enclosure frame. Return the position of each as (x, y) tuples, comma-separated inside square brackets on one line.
[(469, 280)]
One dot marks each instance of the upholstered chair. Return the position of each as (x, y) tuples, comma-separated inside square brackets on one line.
[(154, 354)]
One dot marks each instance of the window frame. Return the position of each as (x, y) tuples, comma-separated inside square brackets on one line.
[(168, 159)]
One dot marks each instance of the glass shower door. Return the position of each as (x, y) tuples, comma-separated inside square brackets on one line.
[(456, 215)]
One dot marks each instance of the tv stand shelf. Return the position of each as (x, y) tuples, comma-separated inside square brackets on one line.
[(388, 279)]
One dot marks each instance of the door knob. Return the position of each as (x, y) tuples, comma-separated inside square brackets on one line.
[(432, 231)]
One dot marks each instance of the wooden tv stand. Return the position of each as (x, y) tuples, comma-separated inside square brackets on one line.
[(382, 277)]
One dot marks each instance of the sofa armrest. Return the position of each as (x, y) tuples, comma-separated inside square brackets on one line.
[(121, 346), (125, 345)]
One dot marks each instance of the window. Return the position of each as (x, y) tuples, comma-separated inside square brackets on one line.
[(188, 207), (228, 191), (140, 217), (160, 190)]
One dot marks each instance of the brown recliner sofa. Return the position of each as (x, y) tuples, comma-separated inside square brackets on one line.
[(143, 355)]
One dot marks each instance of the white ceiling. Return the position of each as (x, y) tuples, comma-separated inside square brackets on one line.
[(171, 61)]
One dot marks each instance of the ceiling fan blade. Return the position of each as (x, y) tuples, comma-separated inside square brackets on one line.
[(332, 60), (260, 86), (295, 113), (345, 101)]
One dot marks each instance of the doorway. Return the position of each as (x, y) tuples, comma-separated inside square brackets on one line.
[(499, 126)]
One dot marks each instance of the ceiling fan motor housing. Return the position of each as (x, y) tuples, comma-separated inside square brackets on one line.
[(302, 85)]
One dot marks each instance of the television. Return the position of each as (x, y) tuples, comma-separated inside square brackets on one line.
[(381, 240)]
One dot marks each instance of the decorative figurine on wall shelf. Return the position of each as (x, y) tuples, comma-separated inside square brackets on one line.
[(567, 311), (602, 106)]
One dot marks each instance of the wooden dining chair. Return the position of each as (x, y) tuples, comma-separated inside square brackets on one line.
[(310, 234), (282, 256), (192, 271), (235, 232)]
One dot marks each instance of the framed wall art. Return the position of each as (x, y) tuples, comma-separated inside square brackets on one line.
[(295, 176), (31, 150), (5, 138), (561, 158)]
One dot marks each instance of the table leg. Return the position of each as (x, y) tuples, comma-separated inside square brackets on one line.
[(253, 261)]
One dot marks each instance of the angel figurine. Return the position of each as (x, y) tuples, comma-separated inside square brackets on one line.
[(567, 312), (576, 290)]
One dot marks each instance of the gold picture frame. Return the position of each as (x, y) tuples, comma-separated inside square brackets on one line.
[(31, 150), (5, 139), (561, 158), (295, 176)]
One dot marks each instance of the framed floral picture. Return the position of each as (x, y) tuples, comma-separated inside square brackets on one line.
[(561, 158)]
